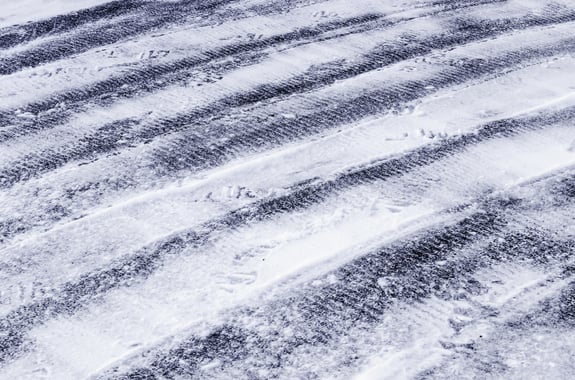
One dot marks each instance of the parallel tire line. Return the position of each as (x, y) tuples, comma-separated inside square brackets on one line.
[(73, 296)]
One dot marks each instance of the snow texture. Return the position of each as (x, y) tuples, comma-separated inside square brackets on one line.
[(287, 189)]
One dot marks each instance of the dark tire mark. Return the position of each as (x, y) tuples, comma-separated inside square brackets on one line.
[(179, 72), (200, 153), (15, 35), (154, 78), (157, 15), (139, 266), (152, 16), (318, 316)]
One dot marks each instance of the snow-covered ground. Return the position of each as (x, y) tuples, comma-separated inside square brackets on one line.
[(288, 189), (26, 11)]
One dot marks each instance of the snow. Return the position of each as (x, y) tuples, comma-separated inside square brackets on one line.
[(267, 260), (24, 11)]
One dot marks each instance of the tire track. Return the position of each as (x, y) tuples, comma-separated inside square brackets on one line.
[(177, 73), (548, 323), (152, 16), (115, 136), (73, 296), (423, 251), (88, 189), (365, 290), (156, 16), (16, 35), (20, 34), (161, 76)]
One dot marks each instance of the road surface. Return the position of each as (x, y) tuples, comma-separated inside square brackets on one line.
[(287, 189)]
